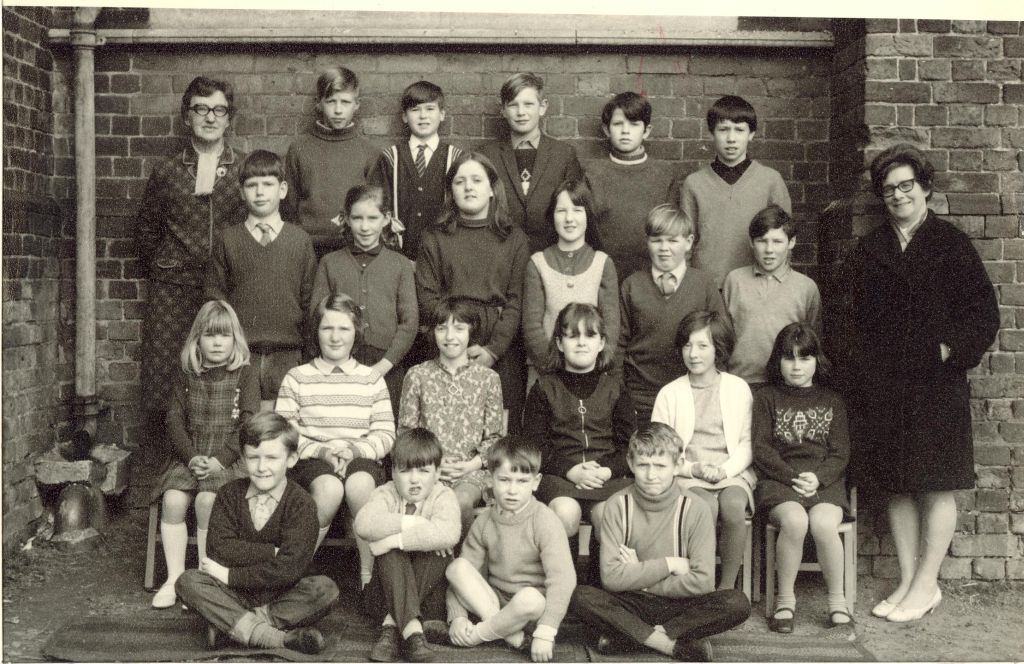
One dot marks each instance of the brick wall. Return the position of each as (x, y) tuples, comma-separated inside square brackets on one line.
[(138, 94), (36, 357), (954, 89)]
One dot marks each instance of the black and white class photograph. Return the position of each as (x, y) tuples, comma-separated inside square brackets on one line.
[(526, 332)]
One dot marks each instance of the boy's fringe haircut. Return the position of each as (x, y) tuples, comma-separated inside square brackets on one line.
[(334, 80), (516, 83), (267, 425), (522, 455), (416, 448), (665, 219), (260, 164), (654, 439)]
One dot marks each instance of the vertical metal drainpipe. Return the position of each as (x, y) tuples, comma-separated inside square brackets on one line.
[(84, 41)]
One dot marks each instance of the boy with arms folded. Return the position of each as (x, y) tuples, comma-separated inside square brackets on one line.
[(722, 196), (262, 536), (530, 163), (521, 547), (412, 523), (658, 562)]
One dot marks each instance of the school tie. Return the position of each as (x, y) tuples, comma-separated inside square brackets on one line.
[(410, 508), (421, 159), (262, 511), (265, 229), (668, 283)]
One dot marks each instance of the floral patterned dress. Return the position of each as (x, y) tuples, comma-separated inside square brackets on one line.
[(463, 409)]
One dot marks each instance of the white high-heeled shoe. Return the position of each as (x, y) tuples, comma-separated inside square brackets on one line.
[(165, 598), (883, 609), (902, 615)]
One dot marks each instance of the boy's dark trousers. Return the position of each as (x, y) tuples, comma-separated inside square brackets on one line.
[(236, 612), (635, 613), (408, 585)]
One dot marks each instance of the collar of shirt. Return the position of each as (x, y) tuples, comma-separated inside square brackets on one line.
[(276, 493), (274, 221), (779, 274), (431, 143), (678, 272), (326, 368), (525, 142), (731, 173), (372, 251), (905, 235)]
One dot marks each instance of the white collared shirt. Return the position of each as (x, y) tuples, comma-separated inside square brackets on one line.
[(274, 221), (431, 143), (325, 367), (678, 273), (531, 141)]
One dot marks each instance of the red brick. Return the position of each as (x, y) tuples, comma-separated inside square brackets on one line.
[(967, 47), (932, 25), (977, 93), (899, 93), (934, 69), (965, 138)]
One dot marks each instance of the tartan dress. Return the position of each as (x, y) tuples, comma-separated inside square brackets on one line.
[(204, 417)]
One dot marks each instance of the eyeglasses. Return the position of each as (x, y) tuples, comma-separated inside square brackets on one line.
[(203, 110), (888, 191)]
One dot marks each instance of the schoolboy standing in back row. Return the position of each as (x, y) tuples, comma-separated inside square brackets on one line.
[(265, 268), (627, 185), (412, 172), (767, 296), (325, 163), (530, 163), (722, 198)]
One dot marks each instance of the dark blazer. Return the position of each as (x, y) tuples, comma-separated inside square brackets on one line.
[(556, 162), (910, 411)]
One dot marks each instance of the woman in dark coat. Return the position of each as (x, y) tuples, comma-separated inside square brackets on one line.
[(921, 312), (189, 198)]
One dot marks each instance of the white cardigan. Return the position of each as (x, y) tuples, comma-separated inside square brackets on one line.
[(674, 407)]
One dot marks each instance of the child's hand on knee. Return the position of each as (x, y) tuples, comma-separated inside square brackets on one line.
[(541, 650), (214, 569)]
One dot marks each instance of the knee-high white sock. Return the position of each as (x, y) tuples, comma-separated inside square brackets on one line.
[(175, 539), (201, 543)]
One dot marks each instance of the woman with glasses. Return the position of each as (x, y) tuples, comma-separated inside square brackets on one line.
[(189, 198), (920, 312)]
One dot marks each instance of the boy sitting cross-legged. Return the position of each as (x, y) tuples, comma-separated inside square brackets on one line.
[(412, 523), (658, 562), (522, 548), (262, 536)]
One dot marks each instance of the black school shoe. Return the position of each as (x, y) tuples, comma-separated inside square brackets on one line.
[(416, 649), (386, 647), (614, 644), (436, 632), (306, 640), (698, 650)]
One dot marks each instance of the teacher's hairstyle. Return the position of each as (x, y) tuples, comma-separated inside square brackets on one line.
[(203, 86), (902, 154)]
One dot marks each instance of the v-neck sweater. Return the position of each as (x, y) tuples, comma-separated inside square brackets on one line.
[(269, 286), (722, 214)]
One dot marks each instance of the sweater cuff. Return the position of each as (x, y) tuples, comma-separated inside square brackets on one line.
[(545, 632)]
